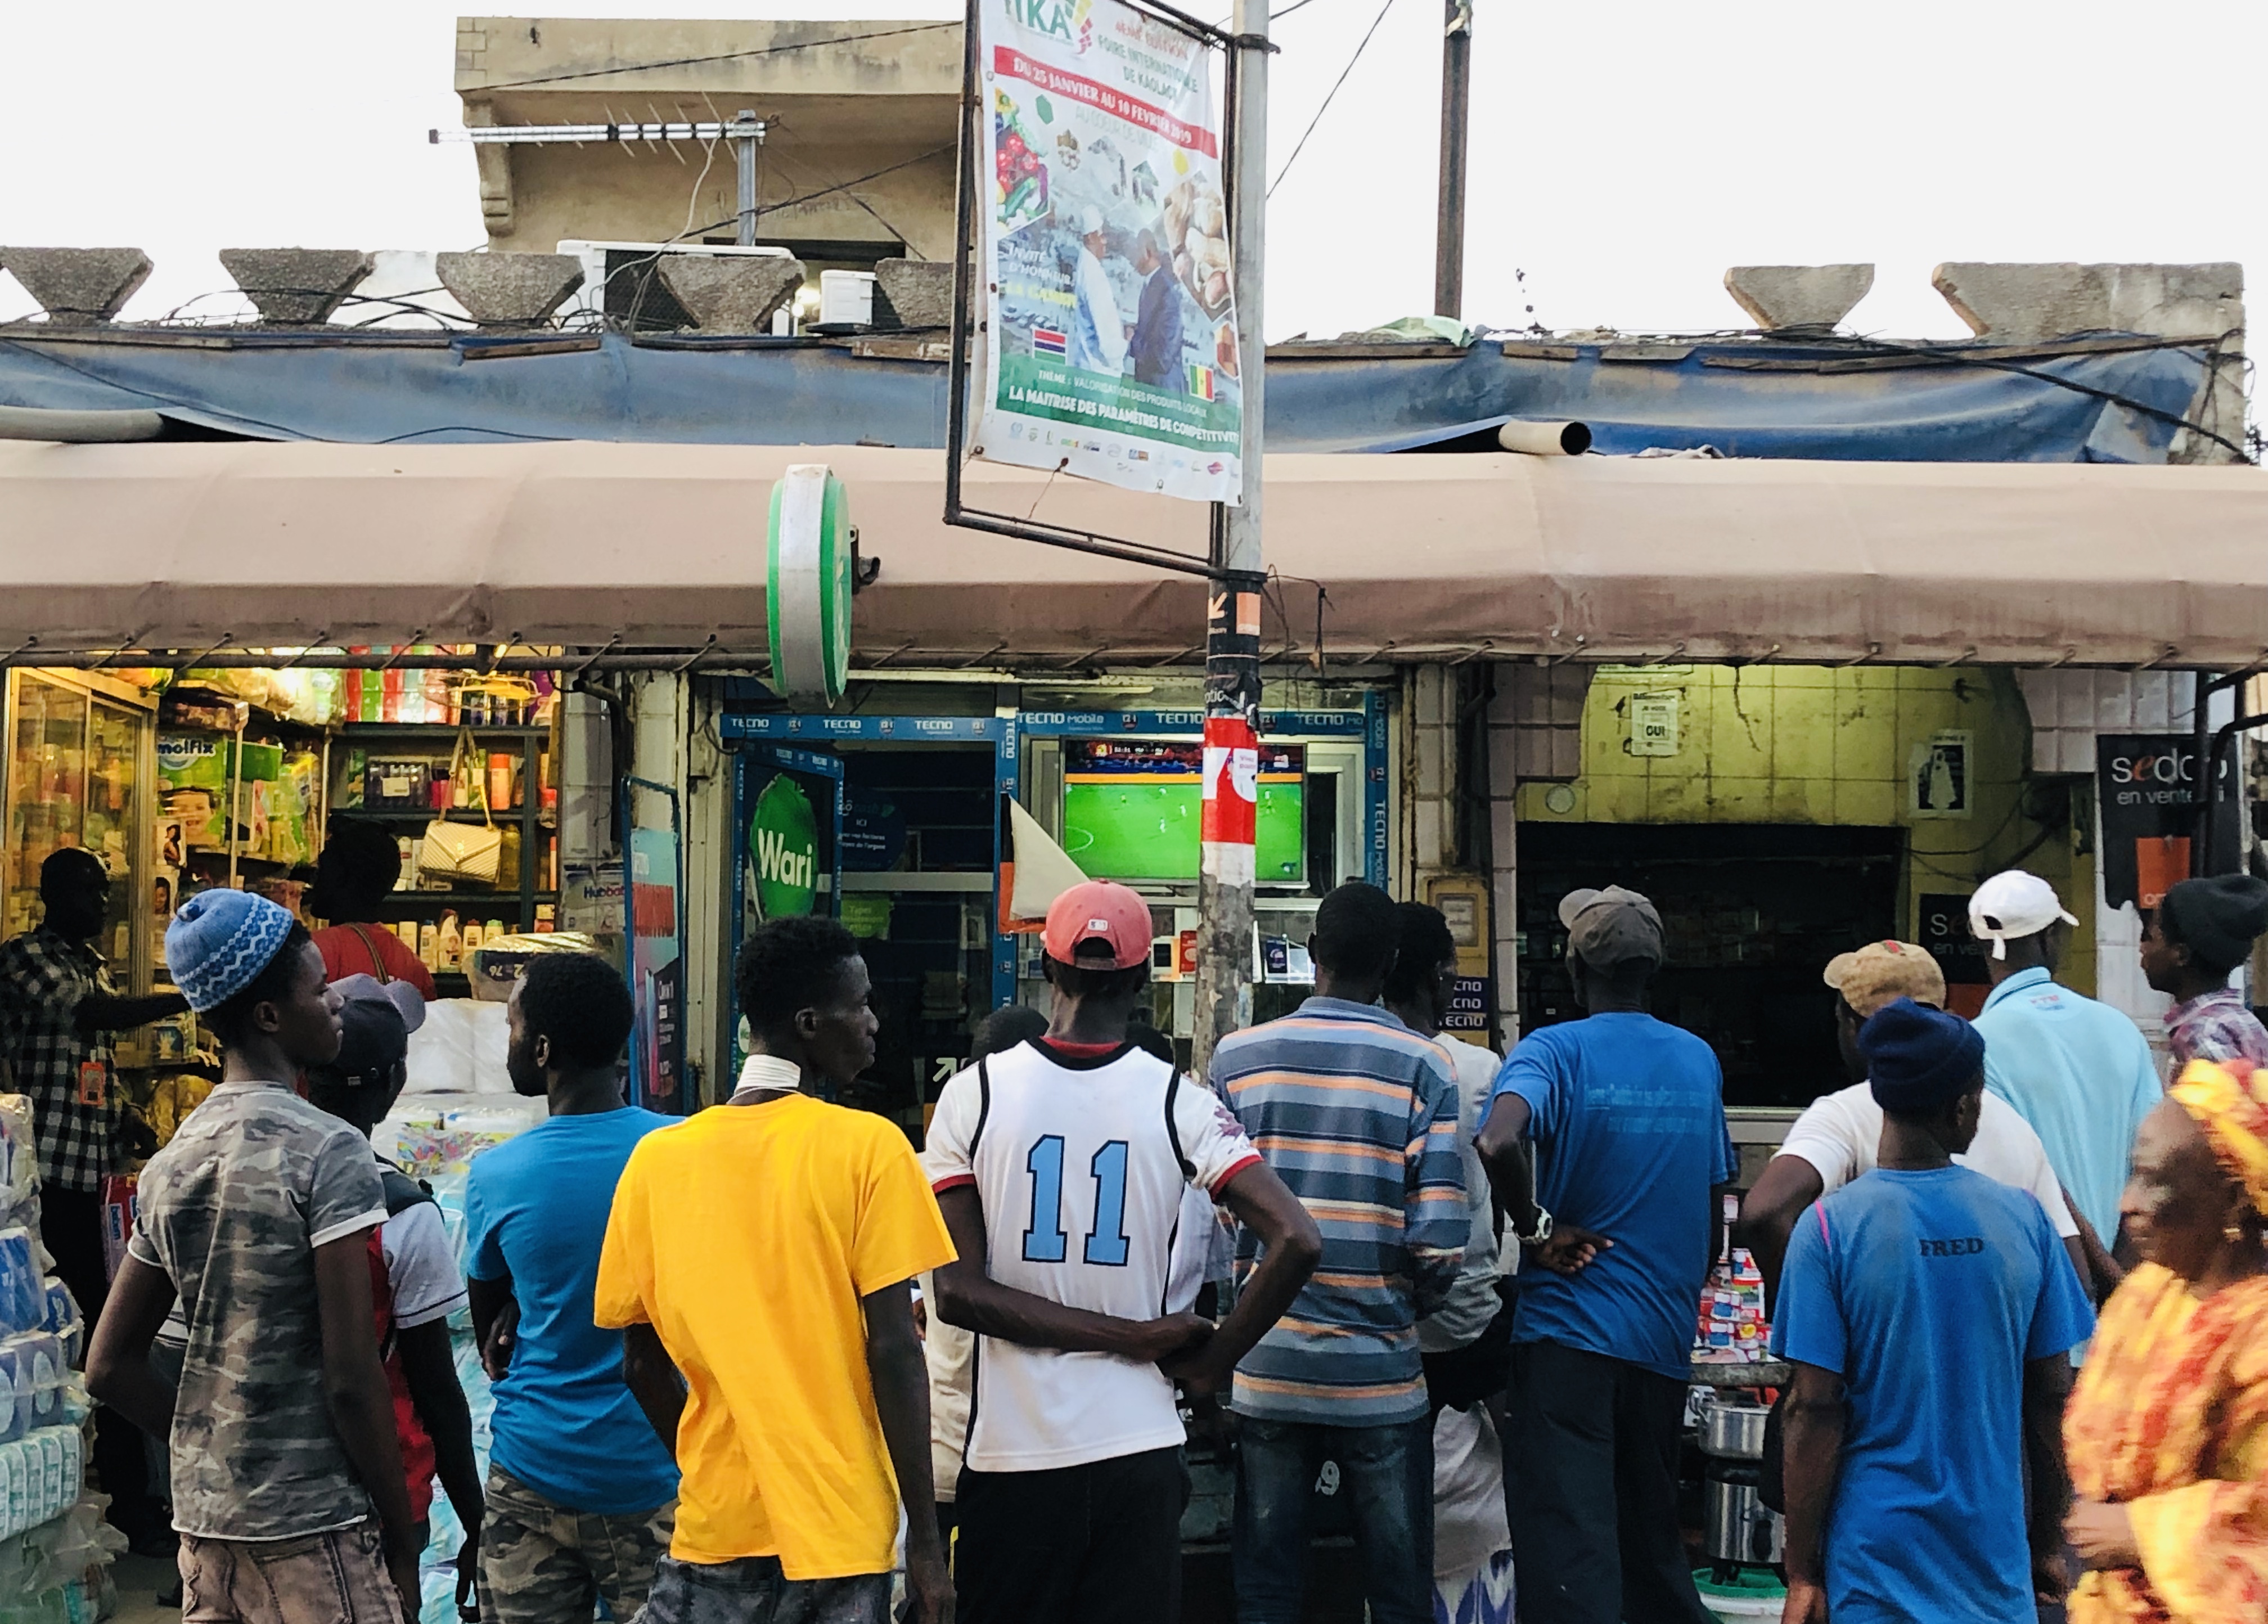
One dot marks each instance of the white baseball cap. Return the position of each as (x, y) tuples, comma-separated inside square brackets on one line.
[(2014, 904)]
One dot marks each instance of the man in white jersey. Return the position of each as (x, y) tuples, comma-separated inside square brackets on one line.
[(1060, 1166), (1836, 1139)]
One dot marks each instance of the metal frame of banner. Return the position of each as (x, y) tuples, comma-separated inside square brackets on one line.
[(956, 417)]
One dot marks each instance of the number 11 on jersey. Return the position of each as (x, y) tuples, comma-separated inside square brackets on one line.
[(1044, 1240)]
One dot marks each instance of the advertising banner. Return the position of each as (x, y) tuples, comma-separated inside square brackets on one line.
[(1110, 345), (653, 910), (2145, 787)]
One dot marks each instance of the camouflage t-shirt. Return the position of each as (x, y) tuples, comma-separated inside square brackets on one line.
[(232, 1210)]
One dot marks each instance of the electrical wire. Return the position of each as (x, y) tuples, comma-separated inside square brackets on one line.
[(1302, 144), (689, 62)]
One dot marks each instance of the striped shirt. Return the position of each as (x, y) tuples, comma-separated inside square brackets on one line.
[(1358, 1115)]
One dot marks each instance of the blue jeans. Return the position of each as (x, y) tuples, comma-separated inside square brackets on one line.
[(1387, 1475)]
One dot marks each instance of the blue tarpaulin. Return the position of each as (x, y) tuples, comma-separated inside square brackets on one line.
[(2103, 399)]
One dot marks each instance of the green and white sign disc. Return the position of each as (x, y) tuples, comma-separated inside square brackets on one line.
[(807, 584)]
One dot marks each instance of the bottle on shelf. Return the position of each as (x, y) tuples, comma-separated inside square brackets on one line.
[(449, 951)]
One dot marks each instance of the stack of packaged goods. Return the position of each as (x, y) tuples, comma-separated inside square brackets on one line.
[(1733, 1329), (55, 1547)]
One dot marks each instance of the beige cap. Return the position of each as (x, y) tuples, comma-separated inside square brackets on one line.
[(1882, 972)]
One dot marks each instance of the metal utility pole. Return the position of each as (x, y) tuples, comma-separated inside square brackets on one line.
[(747, 138), (1456, 108), (1231, 726)]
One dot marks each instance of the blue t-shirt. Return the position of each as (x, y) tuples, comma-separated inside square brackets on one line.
[(1928, 1293), (1628, 1117), (2081, 1074), (535, 1209)]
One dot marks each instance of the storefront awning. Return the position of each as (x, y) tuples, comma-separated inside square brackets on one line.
[(1421, 555)]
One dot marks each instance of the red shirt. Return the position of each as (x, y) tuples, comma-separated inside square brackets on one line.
[(417, 1452), (347, 950)]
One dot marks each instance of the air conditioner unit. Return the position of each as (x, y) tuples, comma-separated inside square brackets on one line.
[(619, 279)]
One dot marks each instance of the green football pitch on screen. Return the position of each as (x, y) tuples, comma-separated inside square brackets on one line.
[(1117, 830)]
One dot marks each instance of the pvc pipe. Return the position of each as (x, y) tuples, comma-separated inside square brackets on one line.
[(78, 427), (1545, 439)]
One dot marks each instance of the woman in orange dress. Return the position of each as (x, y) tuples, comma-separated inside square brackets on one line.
[(2167, 1433)]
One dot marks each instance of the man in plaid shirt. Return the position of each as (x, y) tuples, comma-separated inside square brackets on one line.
[(58, 1009)]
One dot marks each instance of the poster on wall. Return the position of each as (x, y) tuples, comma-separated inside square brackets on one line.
[(1943, 928), (1110, 338), (2145, 789), (654, 910), (1937, 776)]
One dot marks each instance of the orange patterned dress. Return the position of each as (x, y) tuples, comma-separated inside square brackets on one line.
[(2170, 1419)]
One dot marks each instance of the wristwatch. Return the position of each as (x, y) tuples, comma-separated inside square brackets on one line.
[(1542, 1229)]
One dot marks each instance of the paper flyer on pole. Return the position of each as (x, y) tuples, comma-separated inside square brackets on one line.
[(1109, 348)]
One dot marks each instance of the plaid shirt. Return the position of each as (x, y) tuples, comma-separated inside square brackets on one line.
[(42, 978), (2215, 1026)]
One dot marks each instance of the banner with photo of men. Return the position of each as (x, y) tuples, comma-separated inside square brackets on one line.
[(1109, 350)]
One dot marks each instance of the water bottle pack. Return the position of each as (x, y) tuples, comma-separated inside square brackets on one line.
[(32, 1371), (63, 1321), (23, 1283), (40, 1474)]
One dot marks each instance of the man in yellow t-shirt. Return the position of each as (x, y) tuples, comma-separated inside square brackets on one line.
[(757, 1259)]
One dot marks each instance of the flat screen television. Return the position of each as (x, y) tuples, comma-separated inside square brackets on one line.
[(1131, 809)]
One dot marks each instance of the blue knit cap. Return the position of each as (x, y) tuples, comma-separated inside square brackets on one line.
[(220, 941), (1919, 1058)]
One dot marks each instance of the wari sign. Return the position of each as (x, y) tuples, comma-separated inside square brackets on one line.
[(783, 847), (1109, 337)]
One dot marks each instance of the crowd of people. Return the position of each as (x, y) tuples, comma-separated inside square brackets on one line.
[(770, 1363)]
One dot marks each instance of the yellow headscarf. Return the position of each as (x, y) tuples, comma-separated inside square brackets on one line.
[(2228, 1099)]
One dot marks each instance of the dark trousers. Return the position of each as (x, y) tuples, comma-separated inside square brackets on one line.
[(1093, 1544), (70, 1223), (1592, 1490), (1387, 1473)]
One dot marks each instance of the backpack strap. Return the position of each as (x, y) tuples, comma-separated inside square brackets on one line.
[(983, 1106), (377, 960), (1174, 1128), (402, 1192)]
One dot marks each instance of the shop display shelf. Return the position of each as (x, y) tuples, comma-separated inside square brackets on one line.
[(424, 815), (445, 898), (436, 733)]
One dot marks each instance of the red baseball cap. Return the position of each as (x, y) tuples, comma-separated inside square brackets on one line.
[(1099, 910)]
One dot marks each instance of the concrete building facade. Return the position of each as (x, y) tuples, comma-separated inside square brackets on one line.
[(857, 164)]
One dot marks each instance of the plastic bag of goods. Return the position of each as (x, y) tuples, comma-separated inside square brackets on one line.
[(430, 1137), (459, 1049), (19, 1165), (495, 965)]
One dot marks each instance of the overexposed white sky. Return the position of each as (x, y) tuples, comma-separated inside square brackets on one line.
[(1623, 151)]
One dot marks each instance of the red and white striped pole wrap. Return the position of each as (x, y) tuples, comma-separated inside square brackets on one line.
[(1231, 813), (1230, 826)]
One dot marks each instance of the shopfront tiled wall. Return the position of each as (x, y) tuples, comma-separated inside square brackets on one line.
[(1813, 744)]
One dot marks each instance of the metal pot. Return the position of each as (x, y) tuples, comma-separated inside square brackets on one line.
[(1738, 1527), (1733, 1431)]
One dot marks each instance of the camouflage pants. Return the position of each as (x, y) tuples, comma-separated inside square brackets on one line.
[(753, 1591), (542, 1563)]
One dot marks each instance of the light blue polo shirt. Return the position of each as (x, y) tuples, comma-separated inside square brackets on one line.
[(2081, 1074)]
